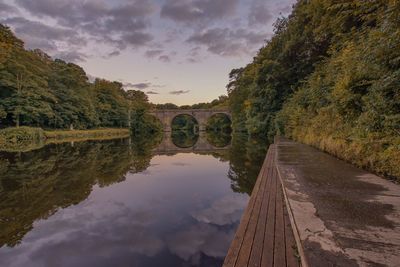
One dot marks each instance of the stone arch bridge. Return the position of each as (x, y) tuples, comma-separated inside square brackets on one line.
[(166, 116)]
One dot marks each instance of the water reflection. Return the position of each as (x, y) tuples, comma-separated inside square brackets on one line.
[(184, 139), (218, 139), (115, 203), (245, 160)]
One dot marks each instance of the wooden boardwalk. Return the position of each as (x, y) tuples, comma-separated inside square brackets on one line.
[(265, 236)]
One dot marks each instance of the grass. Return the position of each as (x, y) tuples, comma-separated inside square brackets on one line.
[(67, 135)]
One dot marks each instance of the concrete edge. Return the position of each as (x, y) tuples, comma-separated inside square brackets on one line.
[(303, 259)]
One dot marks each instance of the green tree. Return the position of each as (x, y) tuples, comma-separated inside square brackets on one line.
[(110, 102), (73, 103), (328, 77)]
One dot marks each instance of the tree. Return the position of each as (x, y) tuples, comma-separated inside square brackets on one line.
[(73, 104), (110, 102), (328, 77)]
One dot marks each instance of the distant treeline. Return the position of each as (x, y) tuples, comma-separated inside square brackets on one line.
[(36, 90), (330, 77), (222, 102)]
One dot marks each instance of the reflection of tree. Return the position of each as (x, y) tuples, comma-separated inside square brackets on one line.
[(219, 123), (184, 122), (184, 139), (246, 157), (218, 139), (35, 184), (142, 147)]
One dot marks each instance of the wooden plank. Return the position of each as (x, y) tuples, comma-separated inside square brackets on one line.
[(291, 259), (256, 252), (233, 252), (264, 237), (248, 240), (267, 259), (279, 246)]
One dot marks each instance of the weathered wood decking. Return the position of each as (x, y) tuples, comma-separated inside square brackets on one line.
[(265, 236)]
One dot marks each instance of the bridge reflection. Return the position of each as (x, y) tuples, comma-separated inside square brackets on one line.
[(202, 145)]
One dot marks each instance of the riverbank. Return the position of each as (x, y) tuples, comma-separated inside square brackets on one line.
[(28, 138), (71, 135)]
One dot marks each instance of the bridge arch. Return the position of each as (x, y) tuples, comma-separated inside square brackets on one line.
[(201, 115), (185, 114)]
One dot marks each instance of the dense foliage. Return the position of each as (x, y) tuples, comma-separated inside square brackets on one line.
[(219, 123), (222, 102), (36, 90), (330, 77), (184, 122)]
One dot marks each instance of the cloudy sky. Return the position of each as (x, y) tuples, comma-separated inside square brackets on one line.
[(178, 51)]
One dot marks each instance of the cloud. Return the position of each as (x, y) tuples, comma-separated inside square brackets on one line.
[(189, 243), (226, 210), (107, 234), (179, 92), (180, 164), (259, 13), (73, 13), (164, 58), (7, 9), (226, 42), (213, 231), (135, 39), (71, 56), (36, 30), (114, 54), (49, 38), (120, 25), (159, 54), (286, 9), (151, 93), (139, 86), (83, 29), (153, 53), (189, 11), (194, 55)]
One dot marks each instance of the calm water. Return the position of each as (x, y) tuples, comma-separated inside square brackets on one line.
[(126, 203)]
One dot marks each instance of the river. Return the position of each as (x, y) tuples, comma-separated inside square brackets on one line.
[(127, 202)]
